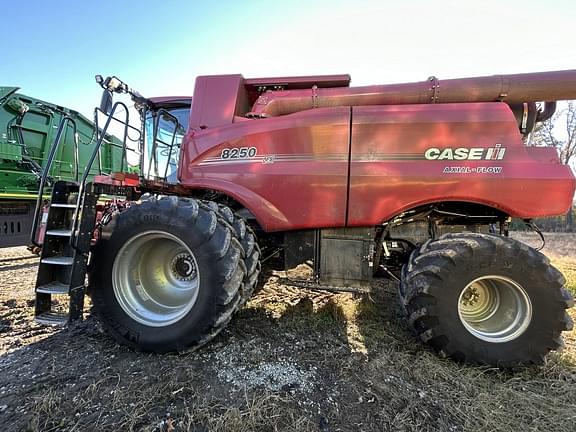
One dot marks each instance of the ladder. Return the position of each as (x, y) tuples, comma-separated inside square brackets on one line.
[(64, 258), (70, 223)]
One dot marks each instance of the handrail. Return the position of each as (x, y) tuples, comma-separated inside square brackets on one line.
[(157, 116), (63, 122), (95, 153), (76, 155), (111, 143), (97, 132), (176, 124)]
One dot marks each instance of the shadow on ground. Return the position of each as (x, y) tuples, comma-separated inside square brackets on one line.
[(292, 360)]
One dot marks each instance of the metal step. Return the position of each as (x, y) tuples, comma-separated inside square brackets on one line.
[(58, 205), (62, 260), (59, 232), (59, 261), (54, 288), (52, 318)]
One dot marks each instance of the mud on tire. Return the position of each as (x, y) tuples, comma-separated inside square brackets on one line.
[(173, 239), (485, 299)]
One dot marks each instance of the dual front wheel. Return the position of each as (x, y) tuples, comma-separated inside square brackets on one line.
[(170, 272)]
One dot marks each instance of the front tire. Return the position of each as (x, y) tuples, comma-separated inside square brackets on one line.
[(485, 299), (247, 238), (166, 275)]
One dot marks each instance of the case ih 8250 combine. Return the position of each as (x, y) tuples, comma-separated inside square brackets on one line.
[(411, 181)]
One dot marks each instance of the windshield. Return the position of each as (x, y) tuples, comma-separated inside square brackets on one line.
[(162, 153), (182, 114)]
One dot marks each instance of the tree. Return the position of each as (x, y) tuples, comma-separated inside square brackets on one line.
[(560, 132)]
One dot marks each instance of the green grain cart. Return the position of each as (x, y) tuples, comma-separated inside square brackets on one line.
[(29, 127)]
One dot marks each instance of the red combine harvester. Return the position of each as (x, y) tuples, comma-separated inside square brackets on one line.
[(416, 182)]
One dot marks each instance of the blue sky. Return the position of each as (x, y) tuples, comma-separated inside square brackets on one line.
[(53, 49)]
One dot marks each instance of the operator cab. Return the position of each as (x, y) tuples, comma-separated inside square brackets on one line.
[(166, 122)]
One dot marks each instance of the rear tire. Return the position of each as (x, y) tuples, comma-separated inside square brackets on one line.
[(485, 299), (166, 275)]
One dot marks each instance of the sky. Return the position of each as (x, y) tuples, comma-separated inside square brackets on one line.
[(53, 49)]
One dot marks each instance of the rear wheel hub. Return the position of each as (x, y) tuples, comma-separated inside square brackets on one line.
[(495, 309)]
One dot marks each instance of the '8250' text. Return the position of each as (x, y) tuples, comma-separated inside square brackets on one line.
[(238, 153)]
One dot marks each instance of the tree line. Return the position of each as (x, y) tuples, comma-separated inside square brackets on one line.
[(551, 224)]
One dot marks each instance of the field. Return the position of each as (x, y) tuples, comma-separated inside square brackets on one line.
[(291, 360)]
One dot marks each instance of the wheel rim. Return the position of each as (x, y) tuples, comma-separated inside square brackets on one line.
[(495, 309), (155, 278)]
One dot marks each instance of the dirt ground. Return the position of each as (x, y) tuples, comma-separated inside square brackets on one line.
[(291, 360)]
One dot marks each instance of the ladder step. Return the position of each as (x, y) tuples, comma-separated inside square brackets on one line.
[(52, 318), (59, 232), (58, 205), (62, 260), (54, 288)]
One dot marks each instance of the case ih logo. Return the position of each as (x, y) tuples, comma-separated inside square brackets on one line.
[(466, 153)]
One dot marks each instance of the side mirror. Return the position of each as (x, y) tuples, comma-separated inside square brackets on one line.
[(106, 101)]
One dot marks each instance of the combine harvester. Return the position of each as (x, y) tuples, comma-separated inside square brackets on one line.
[(29, 128), (403, 181)]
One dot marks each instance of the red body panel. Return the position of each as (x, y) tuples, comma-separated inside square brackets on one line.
[(298, 177), (215, 99), (300, 81), (390, 174), (300, 173)]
